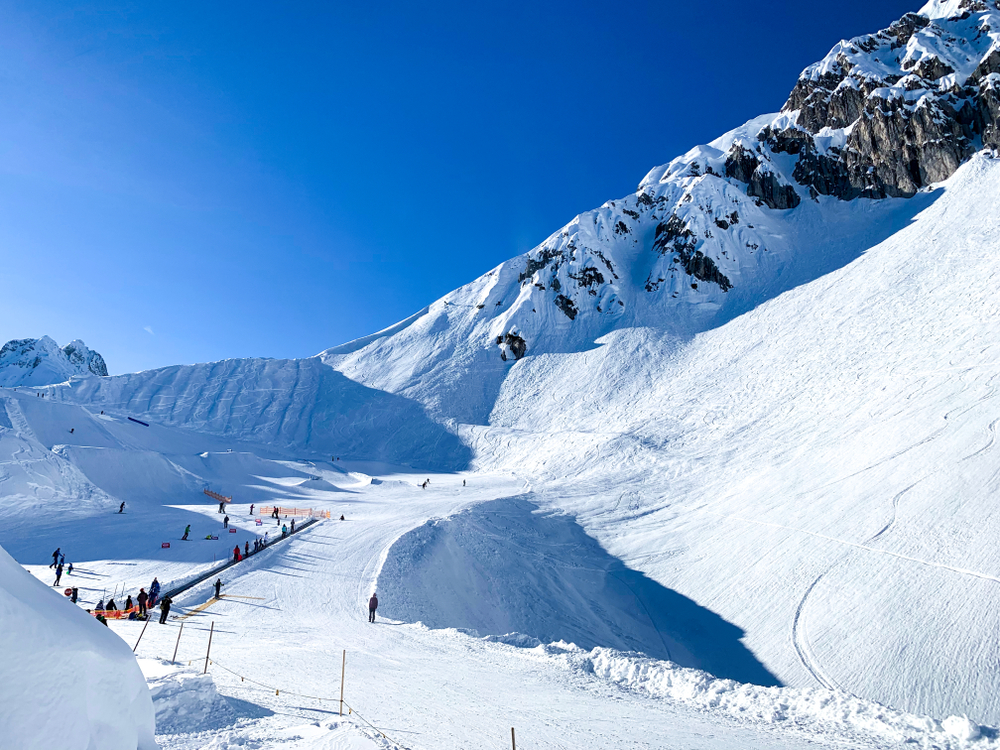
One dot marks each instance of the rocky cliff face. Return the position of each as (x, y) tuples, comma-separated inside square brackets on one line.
[(30, 362)]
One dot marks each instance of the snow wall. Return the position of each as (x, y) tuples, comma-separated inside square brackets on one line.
[(66, 681)]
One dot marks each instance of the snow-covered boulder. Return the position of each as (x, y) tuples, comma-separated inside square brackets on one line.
[(66, 681), (42, 362)]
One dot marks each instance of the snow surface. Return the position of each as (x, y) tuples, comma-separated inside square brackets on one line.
[(84, 687)]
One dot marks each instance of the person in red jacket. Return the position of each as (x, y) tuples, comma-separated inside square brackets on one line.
[(372, 606), (236, 553)]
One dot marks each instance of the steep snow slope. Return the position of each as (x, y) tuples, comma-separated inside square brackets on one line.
[(41, 362), (820, 471), (66, 681), (298, 405)]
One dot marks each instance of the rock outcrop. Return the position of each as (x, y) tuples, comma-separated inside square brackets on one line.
[(30, 362)]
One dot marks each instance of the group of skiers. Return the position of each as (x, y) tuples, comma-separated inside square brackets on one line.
[(143, 602)]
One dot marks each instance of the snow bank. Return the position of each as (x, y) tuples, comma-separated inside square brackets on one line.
[(66, 681), (818, 710), (185, 700)]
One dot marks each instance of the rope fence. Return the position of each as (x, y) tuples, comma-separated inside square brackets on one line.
[(268, 510), (279, 692)]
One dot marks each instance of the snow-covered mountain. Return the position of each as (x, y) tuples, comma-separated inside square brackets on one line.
[(765, 385), (42, 362), (782, 200)]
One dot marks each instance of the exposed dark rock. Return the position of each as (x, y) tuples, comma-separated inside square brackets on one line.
[(587, 277), (517, 345), (545, 256), (622, 228), (674, 236), (630, 212), (565, 304), (743, 165)]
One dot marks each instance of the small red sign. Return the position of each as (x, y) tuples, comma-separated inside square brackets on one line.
[(259, 522), (68, 592), (232, 531), (165, 545)]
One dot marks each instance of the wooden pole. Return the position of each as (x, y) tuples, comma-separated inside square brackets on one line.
[(176, 645), (513, 744), (210, 632), (141, 635), (343, 668)]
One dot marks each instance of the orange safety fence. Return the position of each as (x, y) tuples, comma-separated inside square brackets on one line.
[(217, 496), (268, 510), (115, 614)]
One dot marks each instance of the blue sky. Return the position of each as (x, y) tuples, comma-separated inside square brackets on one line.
[(185, 182)]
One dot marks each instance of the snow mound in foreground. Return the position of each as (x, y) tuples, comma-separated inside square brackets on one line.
[(66, 681), (184, 700)]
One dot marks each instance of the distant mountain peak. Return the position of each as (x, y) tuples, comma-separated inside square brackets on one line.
[(41, 361)]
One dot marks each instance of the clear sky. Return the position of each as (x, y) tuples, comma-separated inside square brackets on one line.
[(185, 182)]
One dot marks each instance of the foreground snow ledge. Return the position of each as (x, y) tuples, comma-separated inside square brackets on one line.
[(66, 681)]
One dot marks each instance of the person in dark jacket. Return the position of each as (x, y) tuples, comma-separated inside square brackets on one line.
[(55, 558), (76, 594), (246, 550), (372, 606), (128, 602), (293, 526), (218, 587), (59, 570), (121, 508), (165, 608), (154, 592), (225, 522), (251, 509), (141, 599), (110, 606)]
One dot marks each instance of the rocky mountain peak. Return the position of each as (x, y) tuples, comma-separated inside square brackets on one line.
[(41, 361)]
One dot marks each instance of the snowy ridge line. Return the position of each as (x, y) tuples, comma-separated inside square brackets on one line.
[(214, 571), (960, 571), (277, 691), (819, 709)]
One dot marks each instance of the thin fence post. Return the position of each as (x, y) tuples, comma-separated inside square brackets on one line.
[(513, 745), (141, 634), (343, 668), (209, 651), (176, 645)]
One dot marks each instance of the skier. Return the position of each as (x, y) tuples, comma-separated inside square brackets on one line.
[(221, 506), (225, 522), (341, 518), (59, 569), (142, 598), (256, 545), (264, 543), (251, 509), (55, 558), (165, 608), (71, 429), (121, 508), (110, 606), (236, 553), (128, 603), (62, 559), (463, 482), (218, 587), (186, 532), (274, 513), (76, 593), (154, 592), (70, 569), (284, 531), (293, 525), (246, 550), (100, 606), (372, 606)]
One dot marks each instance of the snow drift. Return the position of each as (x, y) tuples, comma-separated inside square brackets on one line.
[(66, 681)]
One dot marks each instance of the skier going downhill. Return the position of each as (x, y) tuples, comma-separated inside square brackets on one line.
[(372, 606), (121, 508), (186, 532)]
